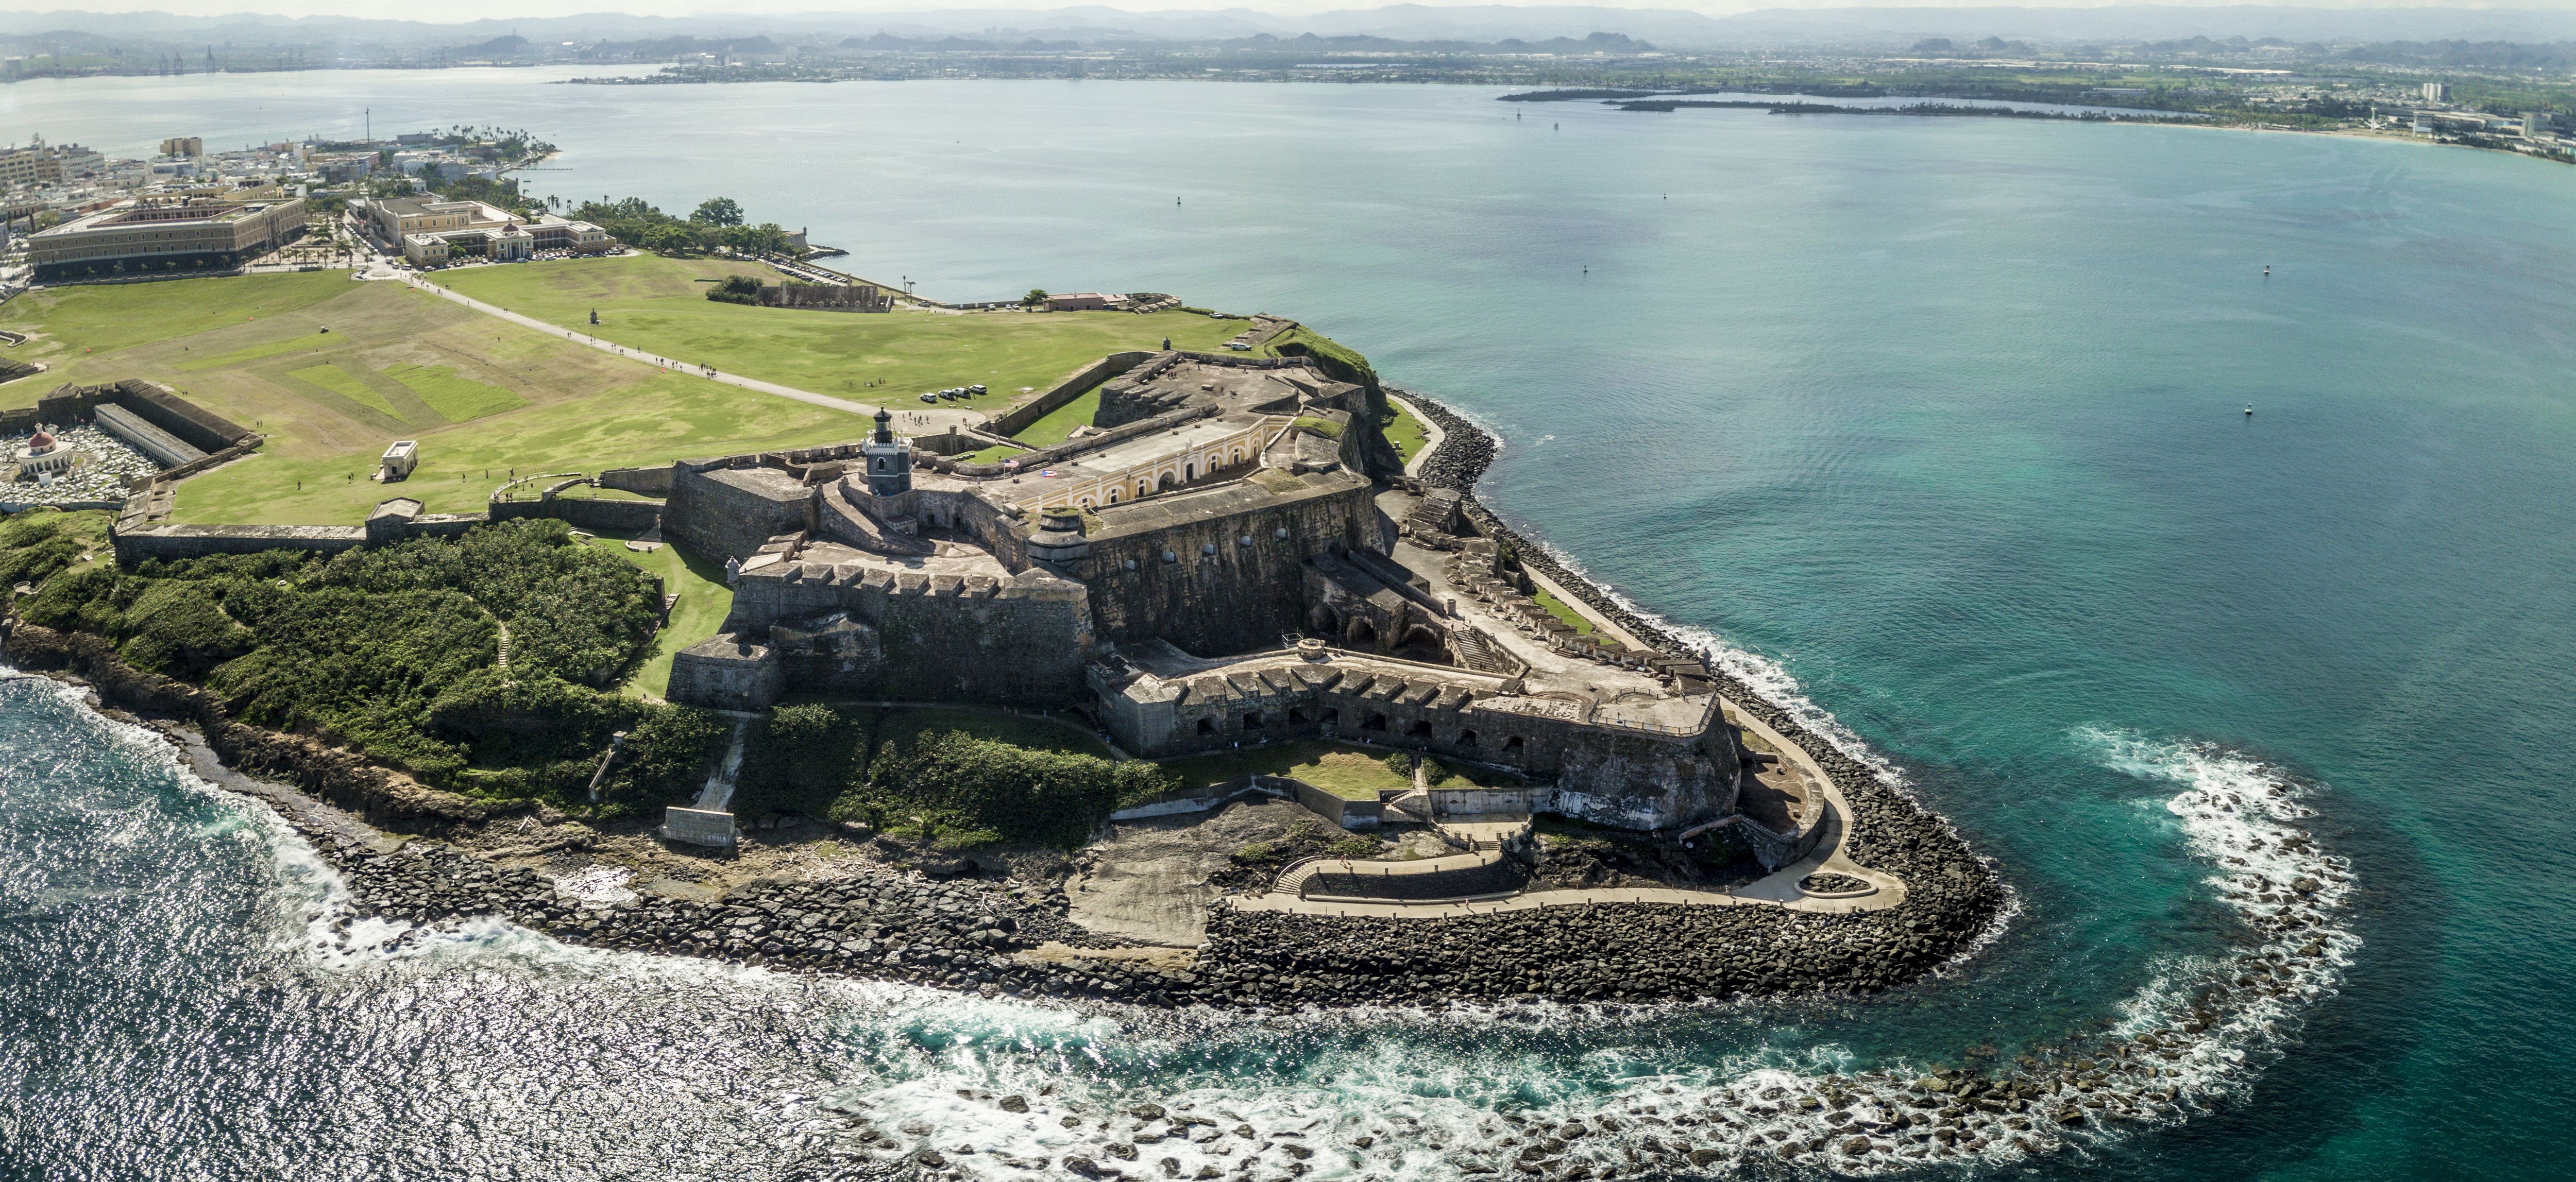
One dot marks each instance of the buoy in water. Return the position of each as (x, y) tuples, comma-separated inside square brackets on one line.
[(2249, 410), (2267, 270)]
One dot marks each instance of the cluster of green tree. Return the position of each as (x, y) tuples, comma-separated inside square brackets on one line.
[(944, 786), (717, 224), (503, 193), (395, 651), (537, 737), (38, 544), (736, 289), (1402, 763)]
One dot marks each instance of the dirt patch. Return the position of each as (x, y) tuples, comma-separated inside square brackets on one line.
[(1151, 881)]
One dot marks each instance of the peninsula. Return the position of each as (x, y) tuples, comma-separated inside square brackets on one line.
[(1161, 658)]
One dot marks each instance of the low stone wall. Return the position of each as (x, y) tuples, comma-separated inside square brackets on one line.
[(1476, 802), (1349, 814), (1501, 876), (585, 512), (651, 482), (1053, 398), (174, 542)]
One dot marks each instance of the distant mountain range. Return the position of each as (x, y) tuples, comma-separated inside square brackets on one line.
[(1880, 28)]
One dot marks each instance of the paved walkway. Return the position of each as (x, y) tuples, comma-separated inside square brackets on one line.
[(1431, 436), (926, 421)]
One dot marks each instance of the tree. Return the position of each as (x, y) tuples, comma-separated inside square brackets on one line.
[(718, 211), (1036, 296)]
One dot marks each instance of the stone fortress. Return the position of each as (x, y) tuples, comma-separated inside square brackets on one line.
[(1227, 556)]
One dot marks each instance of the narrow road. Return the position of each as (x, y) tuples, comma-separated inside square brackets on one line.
[(924, 421)]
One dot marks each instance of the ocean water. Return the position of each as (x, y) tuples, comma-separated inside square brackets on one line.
[(1935, 426)]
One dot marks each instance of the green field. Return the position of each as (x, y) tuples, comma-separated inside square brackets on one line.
[(1057, 425), (656, 304), (1352, 773), (704, 603), (1405, 432), (1561, 610), (456, 398), (341, 382), (488, 399)]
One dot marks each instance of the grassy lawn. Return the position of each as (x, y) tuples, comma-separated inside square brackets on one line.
[(992, 455), (484, 397), (489, 400), (1352, 773), (1057, 425), (341, 382), (1405, 432), (656, 304), (704, 603), (456, 398), (1561, 610), (89, 320)]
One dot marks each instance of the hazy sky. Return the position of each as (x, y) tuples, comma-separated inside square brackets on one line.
[(463, 10)]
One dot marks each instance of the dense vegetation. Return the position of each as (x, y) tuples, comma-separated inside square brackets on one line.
[(939, 784), (395, 652), (717, 223)]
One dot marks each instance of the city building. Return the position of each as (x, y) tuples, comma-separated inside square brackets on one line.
[(2437, 92), (40, 165), (164, 234), (433, 233), (184, 146)]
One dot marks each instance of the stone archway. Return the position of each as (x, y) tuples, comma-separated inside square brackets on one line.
[(1165, 485), (1360, 634)]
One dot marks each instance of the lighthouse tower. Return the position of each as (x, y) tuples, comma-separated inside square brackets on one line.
[(889, 458)]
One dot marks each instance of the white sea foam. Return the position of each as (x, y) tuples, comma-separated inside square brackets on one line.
[(1388, 1108), (1421, 1094)]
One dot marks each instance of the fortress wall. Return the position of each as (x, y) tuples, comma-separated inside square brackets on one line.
[(924, 638), (730, 512), (584, 512), (1017, 419), (1218, 594), (172, 542), (1621, 778), (651, 482)]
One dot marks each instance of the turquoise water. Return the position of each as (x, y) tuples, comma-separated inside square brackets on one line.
[(1936, 423)]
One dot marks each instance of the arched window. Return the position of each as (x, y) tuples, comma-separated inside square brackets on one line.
[(1085, 502), (1143, 491), (1189, 471), (1113, 496)]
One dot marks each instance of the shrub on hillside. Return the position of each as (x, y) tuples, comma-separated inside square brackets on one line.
[(736, 289), (800, 759), (962, 791)]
